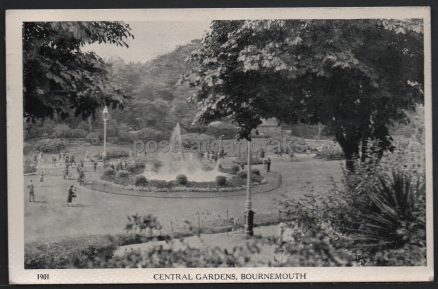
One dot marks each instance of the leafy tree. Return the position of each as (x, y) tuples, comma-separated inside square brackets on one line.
[(356, 77), (59, 78)]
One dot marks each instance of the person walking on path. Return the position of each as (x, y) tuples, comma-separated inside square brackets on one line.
[(42, 176), (71, 195), (66, 172), (268, 169), (78, 170), (95, 166), (261, 153), (31, 191), (81, 177)]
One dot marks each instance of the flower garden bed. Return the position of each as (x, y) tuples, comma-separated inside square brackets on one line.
[(133, 179), (172, 186)]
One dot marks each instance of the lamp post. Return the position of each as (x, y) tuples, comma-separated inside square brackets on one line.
[(105, 116), (249, 213)]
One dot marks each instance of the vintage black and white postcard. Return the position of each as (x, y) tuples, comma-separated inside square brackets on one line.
[(219, 145)]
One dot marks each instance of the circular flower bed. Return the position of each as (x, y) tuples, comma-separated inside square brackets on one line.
[(131, 179)]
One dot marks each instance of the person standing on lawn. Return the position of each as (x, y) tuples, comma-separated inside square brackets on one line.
[(261, 153), (31, 191), (268, 169), (95, 165), (78, 169), (42, 176), (66, 172), (81, 177), (71, 195)]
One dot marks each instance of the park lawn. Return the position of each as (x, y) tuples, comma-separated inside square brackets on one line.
[(102, 213)]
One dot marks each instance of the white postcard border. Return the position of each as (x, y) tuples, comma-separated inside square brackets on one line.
[(14, 74)]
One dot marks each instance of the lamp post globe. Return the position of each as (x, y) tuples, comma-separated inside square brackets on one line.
[(105, 113)]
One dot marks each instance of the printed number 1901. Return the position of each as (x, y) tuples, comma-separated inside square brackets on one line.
[(43, 276)]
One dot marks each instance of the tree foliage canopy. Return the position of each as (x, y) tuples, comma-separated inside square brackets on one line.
[(355, 76), (60, 78)]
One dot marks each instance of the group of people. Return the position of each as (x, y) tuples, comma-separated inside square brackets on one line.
[(287, 151), (213, 155), (71, 193), (121, 164), (68, 159), (267, 164)]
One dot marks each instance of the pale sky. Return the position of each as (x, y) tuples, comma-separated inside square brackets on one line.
[(153, 39)]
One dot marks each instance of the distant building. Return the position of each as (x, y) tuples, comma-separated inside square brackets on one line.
[(271, 128)]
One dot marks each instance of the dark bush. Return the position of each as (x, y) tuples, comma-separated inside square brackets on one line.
[(113, 140), (396, 212), (235, 169), (93, 138), (195, 139), (49, 145), (242, 174), (122, 174), (201, 184), (160, 184), (235, 181), (181, 179), (131, 168), (140, 224), (125, 137), (70, 253), (255, 172), (147, 134), (115, 154), (408, 255), (135, 168), (256, 178), (221, 181), (141, 164), (140, 181), (61, 131), (122, 177), (109, 172), (77, 133)]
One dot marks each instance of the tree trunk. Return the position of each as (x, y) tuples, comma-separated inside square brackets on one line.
[(364, 150), (350, 148)]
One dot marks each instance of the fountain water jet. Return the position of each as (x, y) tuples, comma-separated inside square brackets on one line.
[(176, 162)]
